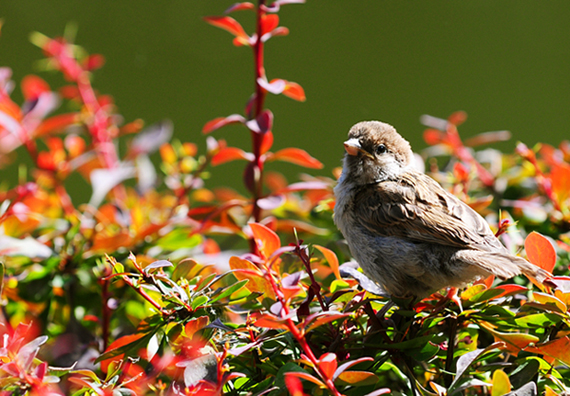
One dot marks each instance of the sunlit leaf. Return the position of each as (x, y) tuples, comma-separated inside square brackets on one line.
[(219, 122), (331, 258), (558, 349), (269, 321), (514, 342), (292, 89), (151, 138), (194, 325), (240, 7), (501, 383), (540, 251), (357, 378), (244, 269), (267, 241), (466, 360), (560, 179), (57, 124), (315, 320), (294, 385), (228, 154), (229, 290), (33, 86), (549, 299), (328, 364), (346, 365), (227, 23), (268, 23), (296, 156)]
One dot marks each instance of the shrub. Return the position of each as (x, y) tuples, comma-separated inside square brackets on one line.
[(136, 291)]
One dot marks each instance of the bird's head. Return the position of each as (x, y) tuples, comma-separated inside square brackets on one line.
[(375, 152)]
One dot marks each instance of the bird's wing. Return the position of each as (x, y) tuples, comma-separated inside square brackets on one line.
[(419, 209)]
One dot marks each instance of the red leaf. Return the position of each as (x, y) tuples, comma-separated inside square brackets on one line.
[(219, 122), (433, 136), (268, 23), (296, 156), (457, 118), (267, 241), (94, 62), (540, 251), (228, 24), (328, 364), (239, 7), (228, 154), (33, 86), (294, 91), (294, 385), (267, 142)]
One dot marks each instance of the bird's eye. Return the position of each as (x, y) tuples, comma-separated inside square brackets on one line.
[(381, 149)]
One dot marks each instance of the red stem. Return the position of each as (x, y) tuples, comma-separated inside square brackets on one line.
[(260, 93), (299, 336)]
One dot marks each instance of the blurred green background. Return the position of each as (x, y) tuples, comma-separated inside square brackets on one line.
[(504, 62)]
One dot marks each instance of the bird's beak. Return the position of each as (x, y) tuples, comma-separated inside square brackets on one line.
[(353, 147)]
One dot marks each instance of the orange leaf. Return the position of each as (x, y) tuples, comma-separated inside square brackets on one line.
[(296, 156), (306, 376), (560, 178), (57, 123), (359, 378), (514, 342), (195, 324), (267, 241), (544, 298), (269, 321), (244, 269), (228, 24), (328, 364), (540, 251), (294, 91), (228, 154), (330, 256), (558, 349), (33, 86)]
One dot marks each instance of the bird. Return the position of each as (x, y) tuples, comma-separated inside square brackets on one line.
[(407, 233)]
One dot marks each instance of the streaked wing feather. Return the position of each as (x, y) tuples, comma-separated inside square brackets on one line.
[(419, 209)]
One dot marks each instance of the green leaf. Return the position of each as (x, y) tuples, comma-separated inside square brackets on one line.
[(179, 239), (199, 301), (229, 290), (541, 320)]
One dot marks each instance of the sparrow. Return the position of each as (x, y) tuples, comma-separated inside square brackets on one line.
[(407, 232)]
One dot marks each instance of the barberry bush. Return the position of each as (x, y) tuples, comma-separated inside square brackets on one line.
[(161, 284)]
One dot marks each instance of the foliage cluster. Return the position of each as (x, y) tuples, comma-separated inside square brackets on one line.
[(142, 290)]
